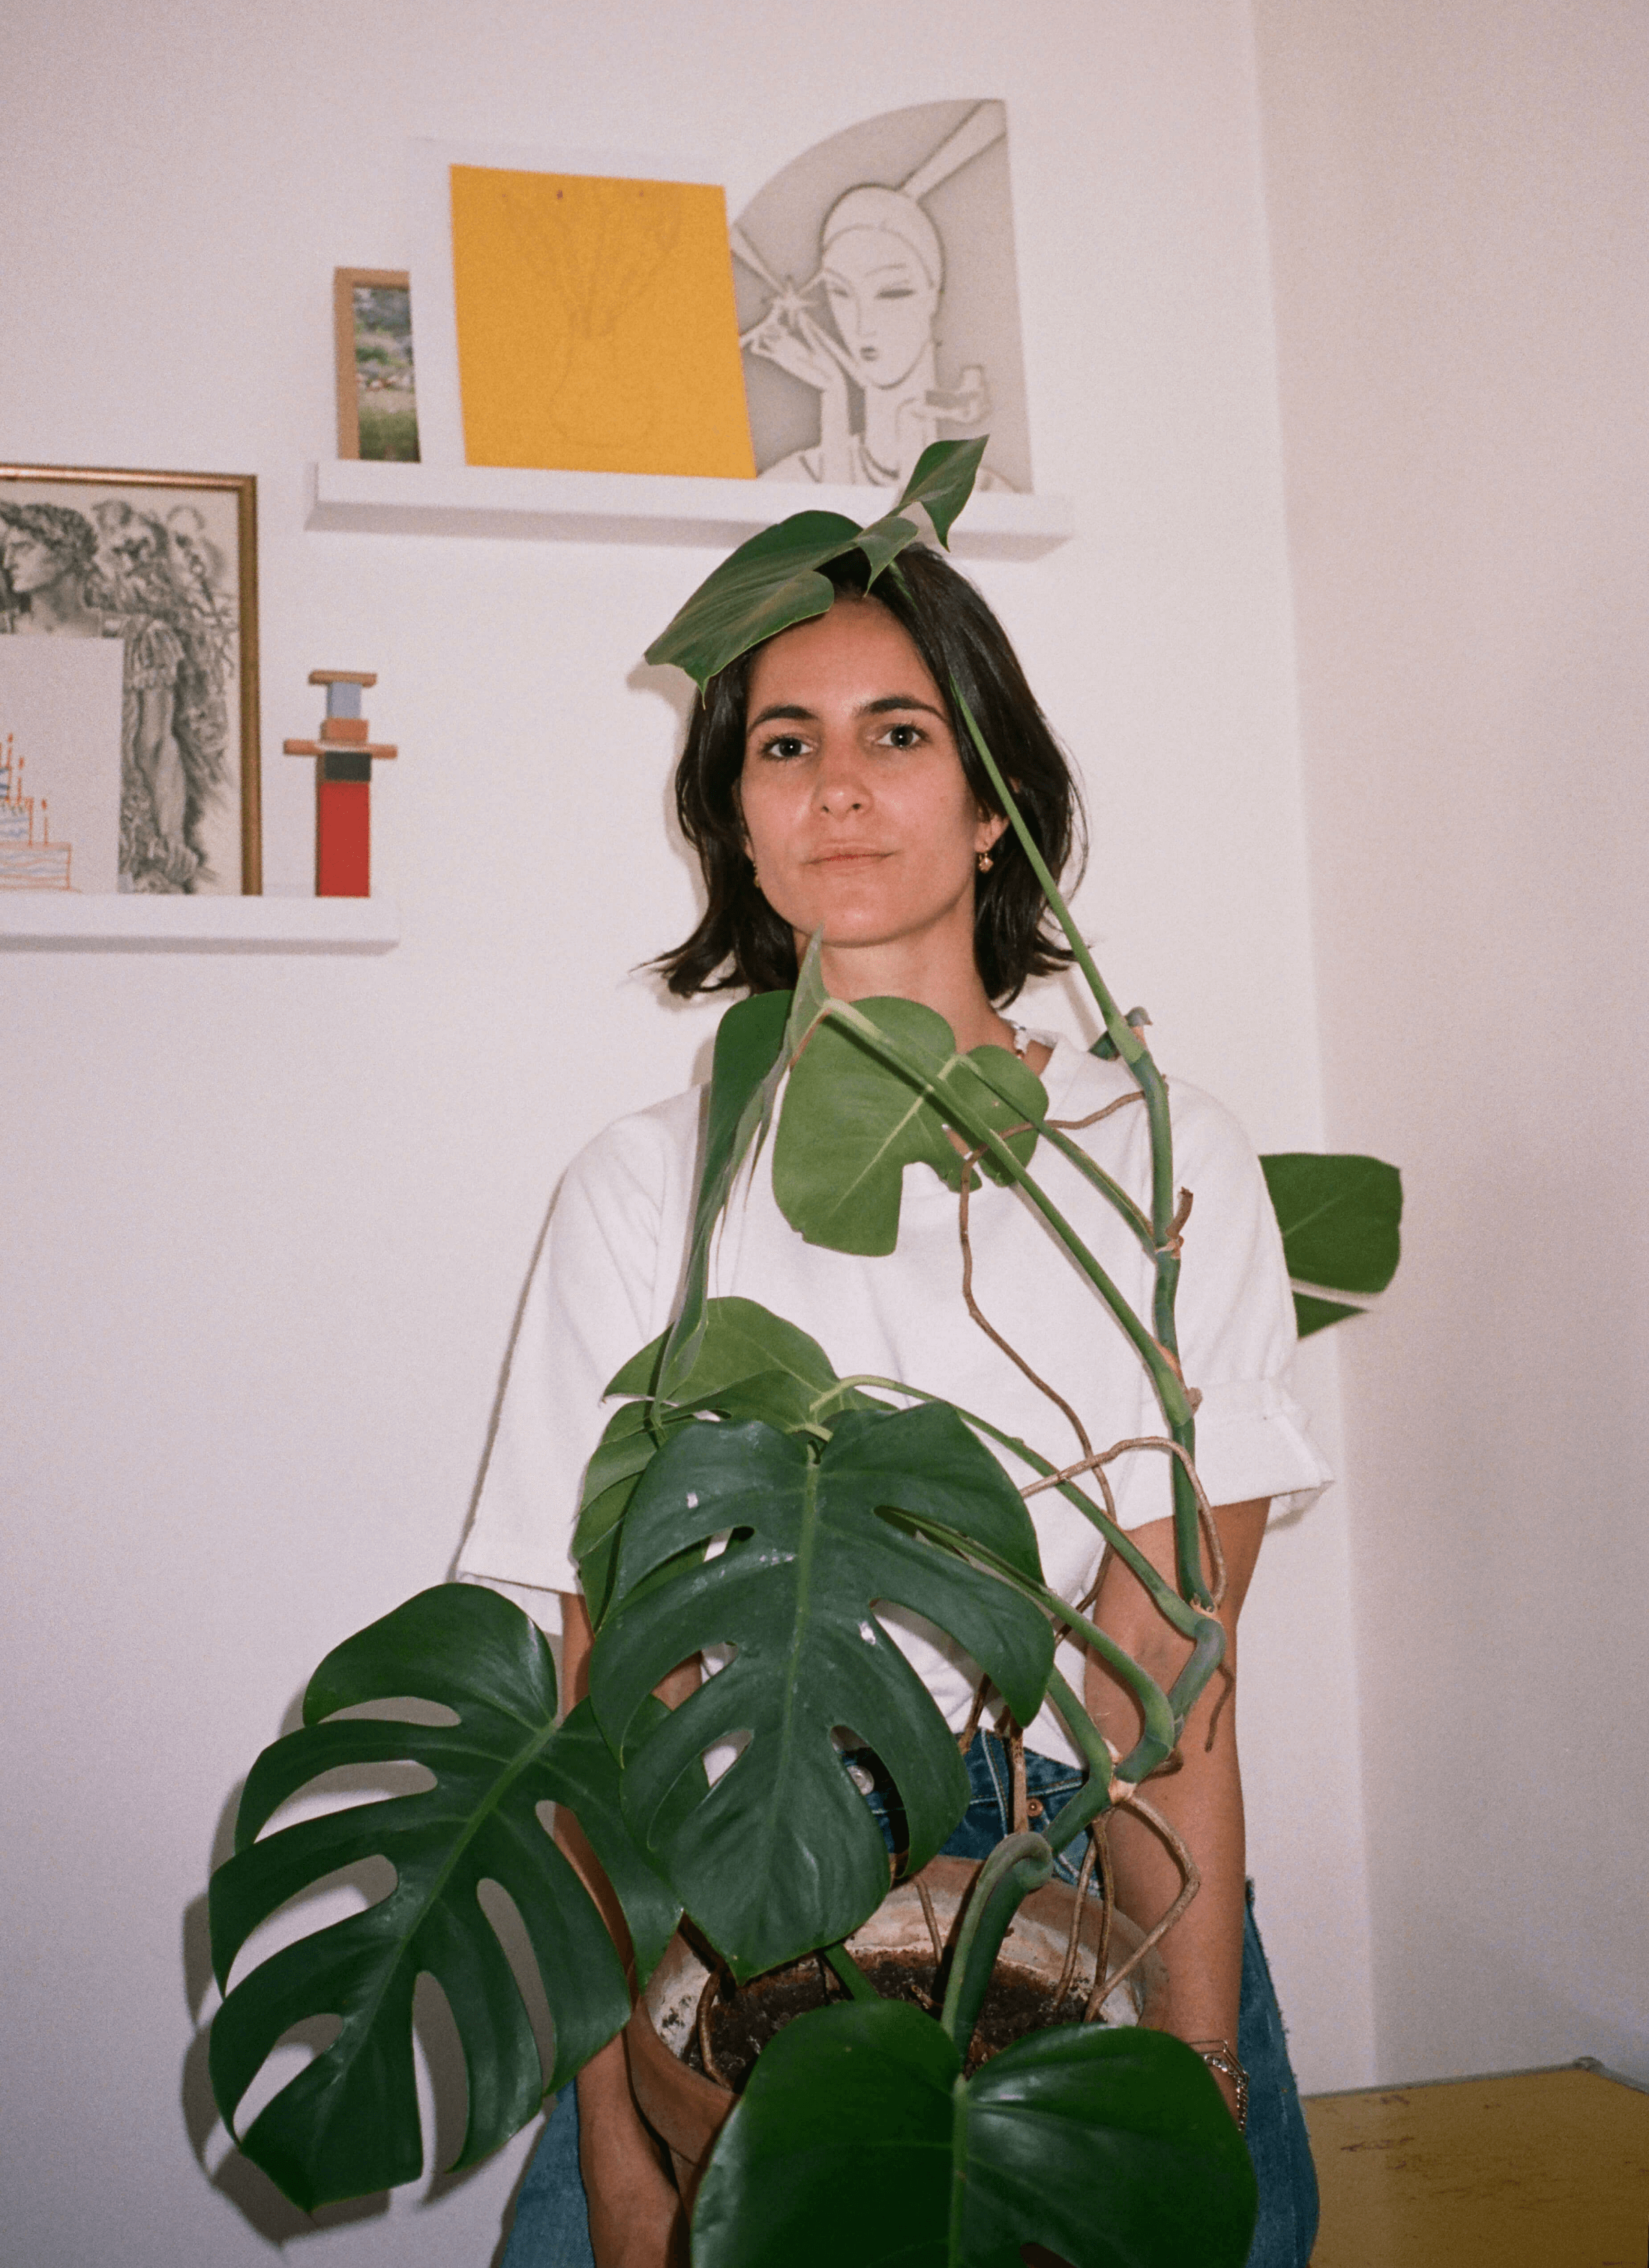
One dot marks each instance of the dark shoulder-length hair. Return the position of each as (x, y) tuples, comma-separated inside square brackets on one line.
[(741, 943)]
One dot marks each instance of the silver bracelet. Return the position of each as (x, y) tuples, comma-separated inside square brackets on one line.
[(1220, 2056)]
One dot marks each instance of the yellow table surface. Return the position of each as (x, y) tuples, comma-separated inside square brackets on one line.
[(1534, 2169)]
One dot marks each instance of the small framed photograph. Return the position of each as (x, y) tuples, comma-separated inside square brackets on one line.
[(129, 681), (378, 403)]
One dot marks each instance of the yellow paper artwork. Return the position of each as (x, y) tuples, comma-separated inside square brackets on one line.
[(596, 329)]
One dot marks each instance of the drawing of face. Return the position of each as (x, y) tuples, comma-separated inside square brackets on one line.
[(882, 302), (129, 547), (200, 557), (30, 563)]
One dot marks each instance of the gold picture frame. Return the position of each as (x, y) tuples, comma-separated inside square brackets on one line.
[(166, 562), (370, 358)]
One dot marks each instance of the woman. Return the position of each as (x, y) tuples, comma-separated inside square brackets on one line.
[(826, 784)]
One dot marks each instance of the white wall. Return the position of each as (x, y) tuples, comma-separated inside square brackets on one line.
[(1456, 199), (266, 1220)]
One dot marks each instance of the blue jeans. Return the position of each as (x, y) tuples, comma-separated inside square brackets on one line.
[(552, 2223)]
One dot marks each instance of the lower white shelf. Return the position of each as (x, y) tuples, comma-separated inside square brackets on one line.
[(64, 920), (367, 497)]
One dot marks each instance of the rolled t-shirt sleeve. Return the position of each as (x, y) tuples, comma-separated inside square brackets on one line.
[(603, 1285), (1235, 1314)]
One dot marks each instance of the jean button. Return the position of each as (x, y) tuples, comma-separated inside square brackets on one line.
[(1034, 1808)]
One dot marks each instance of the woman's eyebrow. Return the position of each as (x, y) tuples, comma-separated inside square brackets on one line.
[(792, 711), (898, 701)]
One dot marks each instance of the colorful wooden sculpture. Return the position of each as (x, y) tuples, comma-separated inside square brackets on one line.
[(344, 785)]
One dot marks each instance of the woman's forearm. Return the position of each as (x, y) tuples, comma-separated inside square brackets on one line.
[(1199, 1796), (1201, 1802)]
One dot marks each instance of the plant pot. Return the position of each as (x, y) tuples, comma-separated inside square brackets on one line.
[(686, 2109)]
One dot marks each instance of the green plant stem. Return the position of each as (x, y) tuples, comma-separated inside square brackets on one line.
[(1059, 1138), (1161, 1726), (1018, 1865), (1137, 1056), (1184, 1618), (851, 1975), (1114, 1195), (1094, 1796)]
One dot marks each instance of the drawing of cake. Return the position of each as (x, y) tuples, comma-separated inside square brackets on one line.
[(26, 864)]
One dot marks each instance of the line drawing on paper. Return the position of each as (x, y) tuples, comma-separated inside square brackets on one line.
[(904, 329)]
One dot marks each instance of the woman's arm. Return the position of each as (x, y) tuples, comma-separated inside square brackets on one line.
[(635, 2216), (1202, 1800)]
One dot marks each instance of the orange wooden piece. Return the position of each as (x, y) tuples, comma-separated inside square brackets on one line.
[(378, 750)]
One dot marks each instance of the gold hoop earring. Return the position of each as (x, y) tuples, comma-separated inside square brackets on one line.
[(985, 862)]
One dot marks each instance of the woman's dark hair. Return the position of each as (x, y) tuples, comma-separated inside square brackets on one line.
[(742, 942)]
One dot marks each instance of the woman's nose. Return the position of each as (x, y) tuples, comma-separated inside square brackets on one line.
[(840, 785)]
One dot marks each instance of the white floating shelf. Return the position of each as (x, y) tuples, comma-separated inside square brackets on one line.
[(64, 920), (365, 497)]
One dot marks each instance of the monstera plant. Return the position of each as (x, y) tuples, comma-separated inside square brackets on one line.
[(836, 1493)]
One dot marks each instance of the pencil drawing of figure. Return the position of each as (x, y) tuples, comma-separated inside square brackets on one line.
[(118, 573), (862, 333)]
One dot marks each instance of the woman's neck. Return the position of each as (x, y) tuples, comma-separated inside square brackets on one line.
[(911, 969)]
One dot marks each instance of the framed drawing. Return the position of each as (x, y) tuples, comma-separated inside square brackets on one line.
[(129, 681), (371, 329)]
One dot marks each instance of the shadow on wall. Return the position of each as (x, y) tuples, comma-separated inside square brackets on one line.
[(247, 2187)]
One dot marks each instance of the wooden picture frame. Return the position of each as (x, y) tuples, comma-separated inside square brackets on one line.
[(346, 342), (165, 563)]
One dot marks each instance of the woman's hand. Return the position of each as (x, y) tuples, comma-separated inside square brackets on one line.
[(635, 2216)]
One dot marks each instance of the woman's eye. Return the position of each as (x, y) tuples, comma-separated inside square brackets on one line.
[(903, 736), (896, 291), (785, 744)]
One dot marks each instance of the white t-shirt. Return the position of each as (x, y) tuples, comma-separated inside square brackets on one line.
[(609, 1278)]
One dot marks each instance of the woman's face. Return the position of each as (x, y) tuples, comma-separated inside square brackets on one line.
[(856, 811), (882, 302)]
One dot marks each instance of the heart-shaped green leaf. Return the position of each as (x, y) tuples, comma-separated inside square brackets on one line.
[(772, 582), (348, 2125), (769, 584), (857, 2140), (1339, 1215), (782, 1855), (851, 1122)]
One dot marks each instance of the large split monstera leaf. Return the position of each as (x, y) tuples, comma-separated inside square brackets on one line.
[(851, 1123), (857, 2140), (348, 2125), (749, 1363), (773, 582), (782, 1855)]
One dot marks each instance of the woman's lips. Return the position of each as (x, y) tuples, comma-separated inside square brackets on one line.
[(848, 857)]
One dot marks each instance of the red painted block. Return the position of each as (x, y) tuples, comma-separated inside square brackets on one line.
[(344, 863)]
